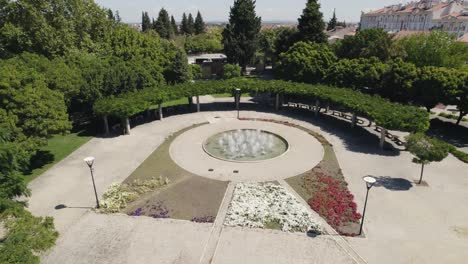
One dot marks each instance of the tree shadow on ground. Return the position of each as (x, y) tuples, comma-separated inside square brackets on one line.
[(456, 135), (64, 206), (39, 160), (393, 184)]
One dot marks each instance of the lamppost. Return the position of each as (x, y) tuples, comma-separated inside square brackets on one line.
[(89, 161), (237, 101), (370, 181)]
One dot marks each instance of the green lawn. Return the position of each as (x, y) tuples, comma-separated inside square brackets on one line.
[(58, 147)]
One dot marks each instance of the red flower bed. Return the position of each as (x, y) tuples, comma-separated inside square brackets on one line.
[(331, 199)]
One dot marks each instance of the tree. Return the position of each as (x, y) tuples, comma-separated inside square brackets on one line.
[(426, 150), (286, 38), (179, 71), (333, 21), (190, 25), (174, 27), (145, 22), (458, 94), (432, 86), (184, 25), (365, 44), (398, 80), (231, 71), (311, 23), (199, 24), (305, 62), (203, 43), (163, 24), (436, 48), (240, 36)]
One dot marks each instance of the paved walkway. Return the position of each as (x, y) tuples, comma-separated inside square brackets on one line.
[(404, 223)]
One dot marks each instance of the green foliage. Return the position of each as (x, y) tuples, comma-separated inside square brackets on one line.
[(397, 81), (51, 28), (163, 25), (333, 21), (305, 62), (27, 236), (365, 44), (195, 72), (174, 27), (179, 71), (426, 149), (231, 71), (184, 30), (436, 48), (190, 25), (209, 43), (311, 23), (199, 25), (267, 47), (457, 93), (241, 34), (145, 22), (384, 113), (286, 38), (462, 156), (359, 74)]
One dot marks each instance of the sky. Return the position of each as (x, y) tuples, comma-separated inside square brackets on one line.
[(218, 10)]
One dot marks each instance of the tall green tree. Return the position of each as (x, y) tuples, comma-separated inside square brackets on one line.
[(311, 24), (305, 62), (174, 27), (241, 34), (426, 150), (184, 25), (436, 48), (458, 94), (366, 44), (199, 24), (333, 21), (190, 25), (179, 72), (145, 22), (163, 24)]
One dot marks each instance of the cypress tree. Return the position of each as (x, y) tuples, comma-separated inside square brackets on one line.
[(311, 24), (163, 24), (333, 22), (184, 25), (174, 27), (190, 25), (199, 24), (179, 71), (145, 22), (241, 34)]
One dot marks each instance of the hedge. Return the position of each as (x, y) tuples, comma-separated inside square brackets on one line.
[(383, 112)]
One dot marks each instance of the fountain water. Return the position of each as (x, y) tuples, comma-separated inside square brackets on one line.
[(245, 145)]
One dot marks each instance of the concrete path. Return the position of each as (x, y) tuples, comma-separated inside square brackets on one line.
[(405, 223)]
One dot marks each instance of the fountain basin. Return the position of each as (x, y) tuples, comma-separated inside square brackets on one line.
[(245, 145)]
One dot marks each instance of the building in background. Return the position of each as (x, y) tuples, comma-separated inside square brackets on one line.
[(450, 16)]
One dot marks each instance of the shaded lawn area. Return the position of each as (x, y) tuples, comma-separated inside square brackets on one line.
[(187, 196), (223, 95), (58, 147)]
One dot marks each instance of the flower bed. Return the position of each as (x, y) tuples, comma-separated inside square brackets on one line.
[(262, 205)]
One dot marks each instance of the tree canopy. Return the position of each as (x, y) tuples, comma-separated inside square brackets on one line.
[(199, 25), (365, 44), (241, 34), (311, 23)]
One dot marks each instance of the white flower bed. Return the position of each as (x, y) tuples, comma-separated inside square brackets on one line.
[(256, 204)]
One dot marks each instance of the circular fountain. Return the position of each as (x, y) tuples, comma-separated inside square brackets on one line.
[(244, 145)]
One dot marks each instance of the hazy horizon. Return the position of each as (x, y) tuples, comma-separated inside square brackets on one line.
[(218, 10)]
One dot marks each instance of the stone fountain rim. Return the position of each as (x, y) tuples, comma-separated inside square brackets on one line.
[(246, 161)]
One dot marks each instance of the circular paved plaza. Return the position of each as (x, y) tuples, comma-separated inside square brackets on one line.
[(304, 153)]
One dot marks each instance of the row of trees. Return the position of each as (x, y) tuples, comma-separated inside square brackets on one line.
[(395, 79), (56, 58), (167, 27)]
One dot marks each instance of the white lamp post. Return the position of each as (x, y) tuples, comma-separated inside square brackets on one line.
[(90, 161), (370, 181)]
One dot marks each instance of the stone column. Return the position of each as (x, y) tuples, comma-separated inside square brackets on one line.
[(328, 108), (277, 102), (353, 120), (126, 122), (316, 109), (198, 103), (383, 132), (160, 112), (106, 125)]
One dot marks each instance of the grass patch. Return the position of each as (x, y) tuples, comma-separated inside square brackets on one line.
[(451, 116), (187, 196), (58, 147)]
